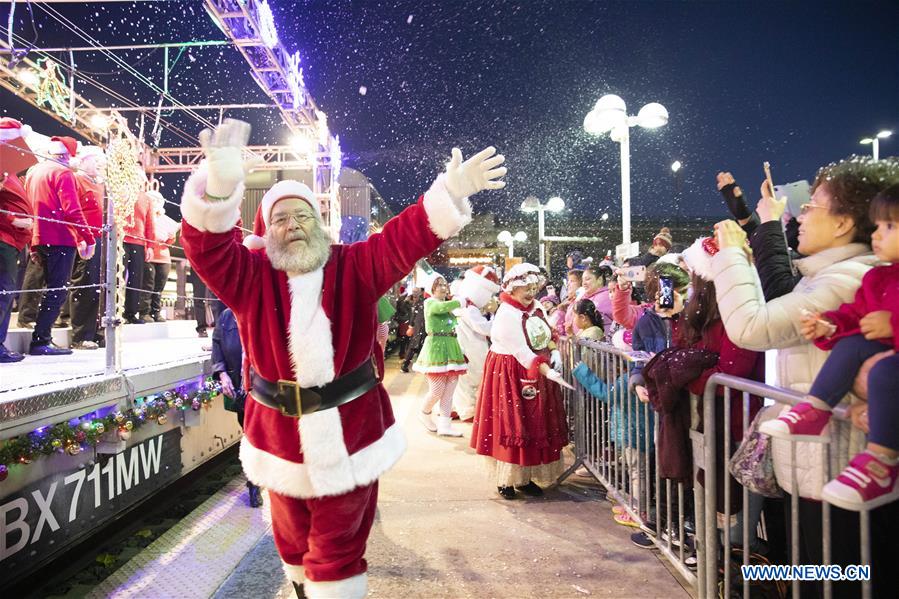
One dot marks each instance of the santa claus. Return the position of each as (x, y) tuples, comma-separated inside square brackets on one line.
[(472, 330), (320, 430)]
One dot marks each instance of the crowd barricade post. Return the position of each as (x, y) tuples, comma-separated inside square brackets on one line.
[(714, 582), (608, 443), (110, 319)]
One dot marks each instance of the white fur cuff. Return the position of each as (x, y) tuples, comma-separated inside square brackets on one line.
[(205, 215), (446, 214), (293, 573), (354, 587)]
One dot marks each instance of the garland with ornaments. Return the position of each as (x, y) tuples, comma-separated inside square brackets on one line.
[(75, 435)]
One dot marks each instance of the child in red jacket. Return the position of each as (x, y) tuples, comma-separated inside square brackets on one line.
[(856, 332)]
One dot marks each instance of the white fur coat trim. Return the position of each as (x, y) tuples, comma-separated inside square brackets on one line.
[(446, 215), (293, 573), (309, 334), (294, 480), (354, 587), (204, 215)]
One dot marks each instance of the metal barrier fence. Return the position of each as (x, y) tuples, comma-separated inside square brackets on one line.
[(615, 438)]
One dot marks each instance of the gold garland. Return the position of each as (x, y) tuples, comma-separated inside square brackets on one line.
[(125, 181)]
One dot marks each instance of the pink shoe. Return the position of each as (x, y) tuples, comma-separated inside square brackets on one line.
[(803, 422), (864, 484)]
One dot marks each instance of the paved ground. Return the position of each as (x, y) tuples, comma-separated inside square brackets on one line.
[(441, 531)]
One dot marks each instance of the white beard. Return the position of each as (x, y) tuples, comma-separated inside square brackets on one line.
[(307, 257)]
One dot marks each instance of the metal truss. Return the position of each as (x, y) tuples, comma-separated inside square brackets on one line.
[(274, 69), (185, 160)]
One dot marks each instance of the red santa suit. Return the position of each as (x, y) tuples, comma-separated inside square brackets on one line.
[(321, 470), (473, 330), (520, 419)]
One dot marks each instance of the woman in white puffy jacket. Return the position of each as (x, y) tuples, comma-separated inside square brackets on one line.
[(834, 234)]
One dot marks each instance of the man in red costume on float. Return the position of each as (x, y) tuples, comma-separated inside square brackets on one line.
[(320, 430)]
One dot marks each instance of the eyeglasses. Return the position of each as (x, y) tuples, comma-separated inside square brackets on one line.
[(808, 206), (301, 218)]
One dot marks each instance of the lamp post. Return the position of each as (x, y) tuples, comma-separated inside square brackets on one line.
[(676, 167), (509, 240), (532, 204), (874, 140), (609, 115)]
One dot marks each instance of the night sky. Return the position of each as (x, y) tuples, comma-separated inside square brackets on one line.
[(797, 84)]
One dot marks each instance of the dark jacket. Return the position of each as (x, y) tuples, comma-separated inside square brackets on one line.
[(772, 260), (652, 333), (667, 376), (227, 353)]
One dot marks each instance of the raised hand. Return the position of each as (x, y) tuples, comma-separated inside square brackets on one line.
[(729, 234), (733, 196), (770, 208), (481, 171), (223, 148)]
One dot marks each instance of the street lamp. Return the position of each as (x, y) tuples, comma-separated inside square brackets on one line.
[(509, 240), (676, 167), (532, 204), (874, 140), (609, 115)]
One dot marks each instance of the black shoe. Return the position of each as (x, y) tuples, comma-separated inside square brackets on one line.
[(48, 349), (642, 540), (135, 321), (531, 489), (298, 588), (202, 333), (255, 495), (404, 367), (147, 318), (61, 324), (506, 492), (9, 356), (159, 318)]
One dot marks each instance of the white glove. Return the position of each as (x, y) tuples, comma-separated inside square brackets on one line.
[(556, 376), (224, 157), (479, 172), (23, 223), (555, 360)]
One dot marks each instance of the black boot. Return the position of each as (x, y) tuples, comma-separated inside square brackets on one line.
[(506, 492), (255, 495), (531, 489), (299, 590)]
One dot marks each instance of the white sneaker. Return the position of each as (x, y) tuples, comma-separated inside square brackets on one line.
[(425, 419), (445, 427)]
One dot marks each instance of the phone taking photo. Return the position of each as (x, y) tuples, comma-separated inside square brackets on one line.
[(666, 293), (635, 274)]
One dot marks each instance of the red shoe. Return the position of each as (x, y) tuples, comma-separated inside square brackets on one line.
[(454, 415), (864, 484), (803, 422), (469, 420)]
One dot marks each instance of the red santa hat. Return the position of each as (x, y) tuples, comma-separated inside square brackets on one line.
[(287, 189), (11, 129), (699, 257), (521, 275), (63, 145)]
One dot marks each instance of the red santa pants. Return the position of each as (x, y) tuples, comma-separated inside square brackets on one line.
[(325, 535)]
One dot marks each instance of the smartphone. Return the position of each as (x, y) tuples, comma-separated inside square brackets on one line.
[(634, 273), (767, 167), (666, 293)]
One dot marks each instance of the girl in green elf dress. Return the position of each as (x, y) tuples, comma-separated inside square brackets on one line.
[(441, 359)]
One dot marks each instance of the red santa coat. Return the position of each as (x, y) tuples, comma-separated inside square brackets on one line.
[(141, 227), (312, 328), (14, 198), (54, 194), (91, 195)]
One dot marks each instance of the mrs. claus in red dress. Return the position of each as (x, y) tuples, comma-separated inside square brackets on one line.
[(520, 424)]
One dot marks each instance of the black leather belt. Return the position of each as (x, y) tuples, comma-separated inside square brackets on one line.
[(294, 401)]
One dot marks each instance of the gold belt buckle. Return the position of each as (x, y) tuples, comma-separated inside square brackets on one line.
[(282, 384)]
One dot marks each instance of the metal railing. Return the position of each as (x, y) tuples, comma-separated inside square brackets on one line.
[(614, 436)]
